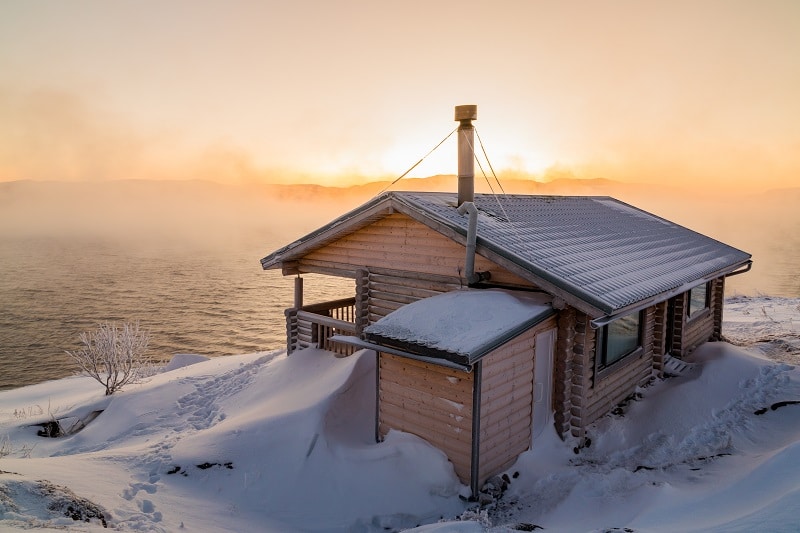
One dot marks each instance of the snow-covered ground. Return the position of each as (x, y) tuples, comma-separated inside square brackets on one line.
[(265, 442)]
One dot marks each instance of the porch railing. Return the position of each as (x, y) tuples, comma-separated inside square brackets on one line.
[(314, 325)]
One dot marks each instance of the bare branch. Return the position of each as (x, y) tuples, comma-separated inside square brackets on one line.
[(113, 356)]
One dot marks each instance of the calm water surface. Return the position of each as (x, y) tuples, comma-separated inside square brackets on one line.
[(212, 302)]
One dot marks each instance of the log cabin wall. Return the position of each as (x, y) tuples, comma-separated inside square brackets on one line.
[(430, 401), (507, 402), (563, 370), (601, 395), (689, 333), (401, 244), (718, 303), (388, 290), (579, 398), (660, 349)]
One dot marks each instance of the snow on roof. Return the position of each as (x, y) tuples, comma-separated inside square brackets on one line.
[(462, 325)]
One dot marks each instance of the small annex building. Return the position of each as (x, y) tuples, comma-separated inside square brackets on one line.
[(495, 317)]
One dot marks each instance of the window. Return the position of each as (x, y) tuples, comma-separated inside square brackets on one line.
[(698, 300), (620, 338)]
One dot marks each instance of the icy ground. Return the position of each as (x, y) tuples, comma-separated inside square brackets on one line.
[(265, 442)]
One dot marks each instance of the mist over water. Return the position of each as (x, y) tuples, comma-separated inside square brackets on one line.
[(183, 260)]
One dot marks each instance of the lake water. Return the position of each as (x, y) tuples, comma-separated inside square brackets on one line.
[(213, 302)]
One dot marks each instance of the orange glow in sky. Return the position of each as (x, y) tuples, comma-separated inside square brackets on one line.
[(345, 91)]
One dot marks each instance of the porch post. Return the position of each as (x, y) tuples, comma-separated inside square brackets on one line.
[(291, 316), (298, 292)]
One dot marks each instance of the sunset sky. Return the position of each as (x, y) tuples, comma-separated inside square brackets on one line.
[(336, 92)]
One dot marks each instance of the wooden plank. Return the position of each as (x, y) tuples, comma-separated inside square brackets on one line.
[(399, 414), (396, 229), (507, 369), (455, 449), (503, 457), (510, 410), (451, 402), (415, 408), (602, 400), (307, 266), (382, 244), (387, 305), (460, 392), (497, 436), (437, 376), (502, 359), (512, 389), (374, 317), (396, 258), (392, 297), (428, 264), (405, 274), (506, 404), (326, 321), (499, 464), (506, 445), (510, 378), (405, 290)]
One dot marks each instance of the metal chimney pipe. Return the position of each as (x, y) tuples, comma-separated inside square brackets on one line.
[(465, 114)]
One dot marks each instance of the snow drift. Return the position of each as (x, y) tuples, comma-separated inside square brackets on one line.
[(266, 442)]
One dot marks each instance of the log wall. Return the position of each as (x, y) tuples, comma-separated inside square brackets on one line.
[(580, 396), (606, 392), (400, 243), (689, 333)]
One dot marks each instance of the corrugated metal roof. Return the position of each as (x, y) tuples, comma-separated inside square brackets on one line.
[(600, 250)]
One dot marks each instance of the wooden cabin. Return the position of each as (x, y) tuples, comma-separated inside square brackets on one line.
[(594, 296)]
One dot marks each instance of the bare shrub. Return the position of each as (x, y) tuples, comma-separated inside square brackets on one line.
[(114, 356)]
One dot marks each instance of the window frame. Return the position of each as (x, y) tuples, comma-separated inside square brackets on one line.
[(694, 314), (602, 368)]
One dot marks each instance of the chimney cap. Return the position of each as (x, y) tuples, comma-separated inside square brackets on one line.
[(466, 112)]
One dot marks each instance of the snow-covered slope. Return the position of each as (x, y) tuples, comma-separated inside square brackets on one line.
[(265, 442)]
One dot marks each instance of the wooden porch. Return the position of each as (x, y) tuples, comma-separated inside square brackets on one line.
[(314, 325)]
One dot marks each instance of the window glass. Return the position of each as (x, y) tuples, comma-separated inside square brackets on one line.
[(622, 337), (698, 299)]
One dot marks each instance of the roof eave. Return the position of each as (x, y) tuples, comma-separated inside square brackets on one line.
[(360, 343), (638, 306)]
